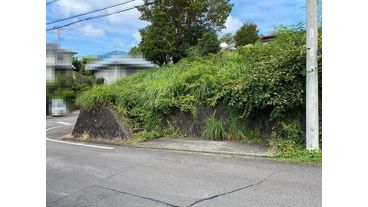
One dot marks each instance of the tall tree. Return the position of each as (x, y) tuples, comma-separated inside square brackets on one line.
[(156, 44), (208, 43), (247, 34), (177, 25)]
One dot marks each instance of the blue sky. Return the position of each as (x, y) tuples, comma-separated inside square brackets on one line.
[(121, 31)]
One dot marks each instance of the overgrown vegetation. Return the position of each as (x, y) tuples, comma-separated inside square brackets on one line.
[(290, 150), (259, 79), (214, 129), (288, 144)]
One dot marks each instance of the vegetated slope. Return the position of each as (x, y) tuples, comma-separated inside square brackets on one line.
[(247, 92)]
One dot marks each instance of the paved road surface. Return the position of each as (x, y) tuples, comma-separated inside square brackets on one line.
[(123, 176)]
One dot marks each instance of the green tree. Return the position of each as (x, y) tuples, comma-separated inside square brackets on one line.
[(80, 64), (208, 43), (83, 79), (177, 25), (156, 44), (247, 34), (227, 38)]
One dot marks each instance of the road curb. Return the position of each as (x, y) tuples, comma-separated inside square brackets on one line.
[(206, 152), (232, 154), (268, 156)]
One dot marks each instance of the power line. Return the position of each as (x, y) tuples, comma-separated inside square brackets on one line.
[(98, 16), (90, 12), (47, 3)]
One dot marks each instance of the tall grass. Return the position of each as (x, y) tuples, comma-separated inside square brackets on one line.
[(214, 128)]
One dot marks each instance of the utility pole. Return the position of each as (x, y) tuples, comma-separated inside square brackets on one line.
[(58, 37), (312, 128), (58, 44)]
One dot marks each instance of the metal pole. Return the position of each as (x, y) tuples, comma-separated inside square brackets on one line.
[(312, 129)]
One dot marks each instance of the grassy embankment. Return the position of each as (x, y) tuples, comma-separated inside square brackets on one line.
[(253, 80)]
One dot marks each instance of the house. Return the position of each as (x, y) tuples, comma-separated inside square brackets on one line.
[(225, 46), (58, 64), (267, 39), (116, 65)]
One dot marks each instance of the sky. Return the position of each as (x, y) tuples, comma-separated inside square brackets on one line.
[(121, 31)]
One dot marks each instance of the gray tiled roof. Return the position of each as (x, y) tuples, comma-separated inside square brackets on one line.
[(126, 60), (53, 47)]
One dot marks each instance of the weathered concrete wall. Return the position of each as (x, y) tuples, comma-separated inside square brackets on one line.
[(194, 126), (100, 123)]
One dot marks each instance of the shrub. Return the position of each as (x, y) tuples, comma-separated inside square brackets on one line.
[(290, 150), (235, 129), (95, 97), (292, 131), (214, 129), (149, 135)]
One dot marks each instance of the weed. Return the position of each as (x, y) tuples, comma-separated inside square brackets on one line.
[(145, 136), (214, 129), (290, 150), (171, 131), (253, 137), (235, 130)]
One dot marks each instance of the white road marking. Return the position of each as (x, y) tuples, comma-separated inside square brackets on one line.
[(55, 127), (79, 144), (61, 122)]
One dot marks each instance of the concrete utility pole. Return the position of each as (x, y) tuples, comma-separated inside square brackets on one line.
[(58, 37), (312, 129)]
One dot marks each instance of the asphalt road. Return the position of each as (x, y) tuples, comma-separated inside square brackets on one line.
[(124, 176)]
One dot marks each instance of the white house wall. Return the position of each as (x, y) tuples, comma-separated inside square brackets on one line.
[(50, 75), (111, 75)]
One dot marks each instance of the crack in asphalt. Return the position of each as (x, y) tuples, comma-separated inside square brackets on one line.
[(138, 196), (95, 184), (160, 201), (232, 191), (197, 201)]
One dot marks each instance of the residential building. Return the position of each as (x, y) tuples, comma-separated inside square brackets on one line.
[(116, 65), (58, 64), (267, 39), (225, 46)]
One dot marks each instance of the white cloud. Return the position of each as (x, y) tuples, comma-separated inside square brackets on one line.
[(71, 7), (232, 24), (91, 31)]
